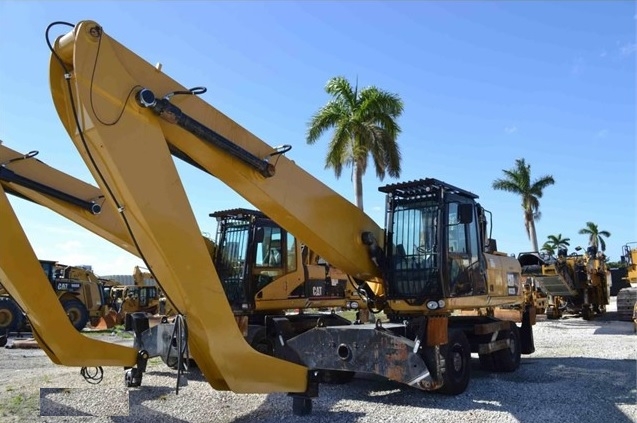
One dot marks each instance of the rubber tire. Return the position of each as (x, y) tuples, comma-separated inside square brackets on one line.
[(14, 315), (506, 360), (551, 313), (262, 343), (82, 313), (587, 312), (456, 380)]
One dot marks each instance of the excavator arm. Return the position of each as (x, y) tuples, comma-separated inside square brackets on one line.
[(27, 177), (51, 326), (152, 203)]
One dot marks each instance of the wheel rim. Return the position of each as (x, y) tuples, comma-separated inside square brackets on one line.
[(512, 344), (456, 359), (74, 314), (5, 318)]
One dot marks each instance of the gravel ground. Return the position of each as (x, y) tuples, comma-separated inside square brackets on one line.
[(581, 372)]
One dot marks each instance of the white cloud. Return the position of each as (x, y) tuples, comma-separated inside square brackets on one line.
[(510, 129), (604, 53)]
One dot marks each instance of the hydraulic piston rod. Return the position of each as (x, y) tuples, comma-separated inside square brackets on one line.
[(8, 175), (173, 114)]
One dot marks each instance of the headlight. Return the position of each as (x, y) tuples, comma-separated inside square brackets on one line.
[(432, 305), (441, 303), (353, 305)]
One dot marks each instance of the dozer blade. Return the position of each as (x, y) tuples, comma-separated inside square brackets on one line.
[(22, 277), (154, 206)]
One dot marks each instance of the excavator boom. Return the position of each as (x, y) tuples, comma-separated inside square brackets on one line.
[(155, 209), (112, 86)]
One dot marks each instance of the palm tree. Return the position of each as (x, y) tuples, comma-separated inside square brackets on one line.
[(364, 124), (558, 242), (595, 236), (518, 181), (548, 248)]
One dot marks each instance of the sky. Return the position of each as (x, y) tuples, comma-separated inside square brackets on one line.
[(483, 84)]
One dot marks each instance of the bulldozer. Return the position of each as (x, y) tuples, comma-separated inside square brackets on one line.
[(78, 290), (574, 283)]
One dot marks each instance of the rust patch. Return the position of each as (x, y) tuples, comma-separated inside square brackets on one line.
[(437, 330)]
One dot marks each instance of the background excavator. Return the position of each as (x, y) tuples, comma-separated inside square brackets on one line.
[(434, 257), (575, 283)]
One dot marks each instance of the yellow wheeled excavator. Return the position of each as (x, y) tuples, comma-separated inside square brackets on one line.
[(433, 257), (416, 269)]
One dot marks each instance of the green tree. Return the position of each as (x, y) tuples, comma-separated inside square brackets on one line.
[(595, 236), (548, 248), (558, 242), (365, 125), (518, 181)]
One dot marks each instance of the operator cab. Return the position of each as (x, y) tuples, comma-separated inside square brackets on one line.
[(252, 248), (434, 242), (253, 251)]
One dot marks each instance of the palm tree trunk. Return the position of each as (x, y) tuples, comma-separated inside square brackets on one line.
[(533, 235), (358, 184)]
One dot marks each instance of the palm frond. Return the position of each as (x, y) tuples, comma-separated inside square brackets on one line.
[(324, 119), (340, 88)]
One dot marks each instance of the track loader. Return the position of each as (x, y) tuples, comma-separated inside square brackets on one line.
[(433, 257)]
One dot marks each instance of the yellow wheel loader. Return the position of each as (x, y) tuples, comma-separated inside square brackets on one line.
[(78, 290)]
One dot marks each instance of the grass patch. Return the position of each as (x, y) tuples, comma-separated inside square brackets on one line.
[(21, 406)]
